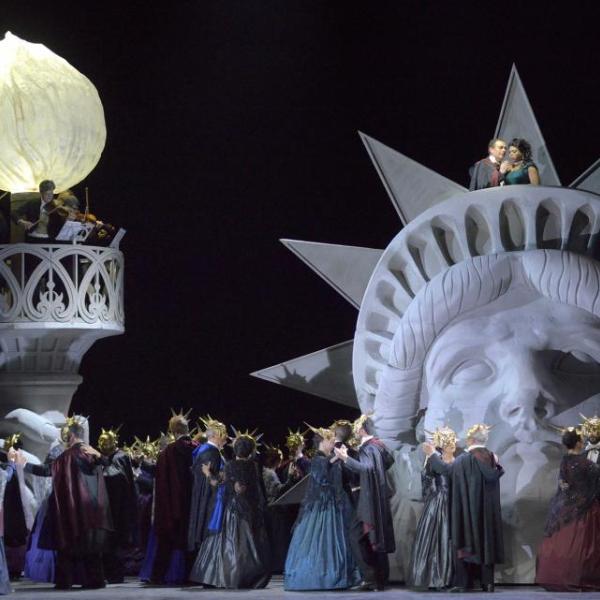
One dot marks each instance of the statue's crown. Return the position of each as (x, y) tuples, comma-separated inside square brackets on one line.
[(325, 432), (294, 440)]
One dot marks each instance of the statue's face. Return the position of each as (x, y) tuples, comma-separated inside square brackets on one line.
[(517, 364)]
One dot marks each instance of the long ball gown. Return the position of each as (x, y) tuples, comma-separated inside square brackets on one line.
[(432, 564), (6, 475), (569, 556), (237, 555), (319, 557)]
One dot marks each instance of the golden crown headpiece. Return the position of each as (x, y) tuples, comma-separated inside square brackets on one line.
[(340, 423), (147, 448), (178, 417), (272, 451), (108, 440), (69, 422), (360, 423), (13, 440), (294, 440), (245, 435), (590, 426), (169, 437), (217, 426), (442, 437), (325, 432), (478, 427)]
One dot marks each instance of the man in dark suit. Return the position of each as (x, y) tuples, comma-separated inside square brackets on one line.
[(489, 171), (35, 217)]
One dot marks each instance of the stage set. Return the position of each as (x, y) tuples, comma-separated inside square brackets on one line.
[(484, 308)]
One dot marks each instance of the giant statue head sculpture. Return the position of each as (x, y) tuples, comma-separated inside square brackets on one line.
[(486, 308)]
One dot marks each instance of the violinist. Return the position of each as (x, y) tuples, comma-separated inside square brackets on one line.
[(34, 214)]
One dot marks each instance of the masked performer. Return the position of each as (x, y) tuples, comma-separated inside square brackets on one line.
[(475, 513), (203, 494), (373, 529), (320, 555), (19, 513), (568, 557), (432, 560), (279, 518), (590, 430), (143, 460), (122, 495), (167, 553), (78, 521), (40, 564), (7, 471), (237, 555), (297, 464)]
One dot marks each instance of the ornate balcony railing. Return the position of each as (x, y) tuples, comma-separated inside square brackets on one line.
[(70, 284)]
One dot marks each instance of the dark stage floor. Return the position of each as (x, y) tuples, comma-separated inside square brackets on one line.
[(134, 590)]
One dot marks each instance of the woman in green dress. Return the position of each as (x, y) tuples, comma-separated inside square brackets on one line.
[(520, 169)]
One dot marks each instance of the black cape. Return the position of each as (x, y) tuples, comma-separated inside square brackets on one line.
[(373, 507), (484, 174), (122, 495), (203, 494), (475, 508)]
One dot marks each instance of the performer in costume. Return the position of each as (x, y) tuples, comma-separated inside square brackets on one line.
[(143, 460), (204, 494), (520, 169), (568, 557), (279, 519), (40, 564), (489, 172), (237, 555), (7, 471), (375, 533), (78, 521), (173, 490), (320, 556), (432, 559), (122, 496), (19, 513), (475, 513), (298, 464), (590, 429)]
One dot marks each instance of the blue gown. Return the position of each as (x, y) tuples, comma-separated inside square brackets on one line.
[(319, 557)]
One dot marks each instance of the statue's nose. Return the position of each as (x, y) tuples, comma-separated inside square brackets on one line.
[(526, 407)]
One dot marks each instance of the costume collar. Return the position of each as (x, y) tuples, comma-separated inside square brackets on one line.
[(365, 440), (492, 159), (591, 446), (475, 446)]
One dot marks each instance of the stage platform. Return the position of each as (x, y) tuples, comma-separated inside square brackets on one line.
[(133, 590)]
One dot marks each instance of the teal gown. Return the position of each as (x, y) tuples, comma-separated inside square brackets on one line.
[(319, 557)]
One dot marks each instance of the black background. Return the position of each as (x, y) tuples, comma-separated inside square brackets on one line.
[(233, 124)]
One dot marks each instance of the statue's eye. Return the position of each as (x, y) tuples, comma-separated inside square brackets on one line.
[(470, 371), (577, 362)]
